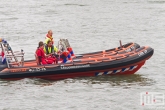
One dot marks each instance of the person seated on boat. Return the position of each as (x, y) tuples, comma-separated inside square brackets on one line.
[(43, 59), (49, 48)]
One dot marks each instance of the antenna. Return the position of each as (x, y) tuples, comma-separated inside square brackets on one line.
[(121, 44)]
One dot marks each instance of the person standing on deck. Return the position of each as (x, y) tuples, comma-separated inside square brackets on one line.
[(49, 37)]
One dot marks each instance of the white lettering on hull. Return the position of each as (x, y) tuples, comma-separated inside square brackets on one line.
[(142, 53), (37, 69), (73, 67), (130, 49)]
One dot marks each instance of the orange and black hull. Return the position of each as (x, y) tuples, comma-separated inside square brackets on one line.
[(115, 61)]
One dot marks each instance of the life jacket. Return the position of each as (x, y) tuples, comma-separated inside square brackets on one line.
[(49, 38), (49, 51)]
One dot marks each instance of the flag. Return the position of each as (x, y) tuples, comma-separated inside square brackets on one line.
[(3, 58)]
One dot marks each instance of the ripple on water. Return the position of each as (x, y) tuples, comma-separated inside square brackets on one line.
[(79, 90)]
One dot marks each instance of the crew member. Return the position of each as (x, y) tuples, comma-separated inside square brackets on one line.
[(41, 55), (49, 36), (49, 48)]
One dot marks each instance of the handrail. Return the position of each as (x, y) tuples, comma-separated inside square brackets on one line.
[(64, 43), (60, 43), (68, 44), (13, 53), (9, 54), (20, 53)]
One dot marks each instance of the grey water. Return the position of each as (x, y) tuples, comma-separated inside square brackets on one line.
[(89, 25)]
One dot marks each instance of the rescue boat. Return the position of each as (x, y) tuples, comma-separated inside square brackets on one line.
[(122, 60)]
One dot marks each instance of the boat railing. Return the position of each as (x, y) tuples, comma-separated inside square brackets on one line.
[(12, 58), (63, 44)]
